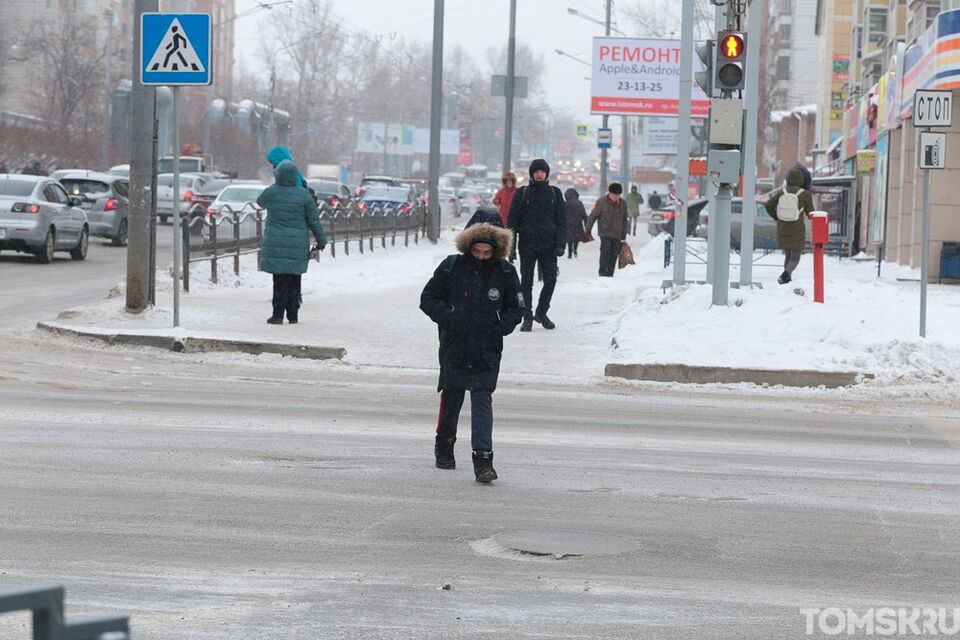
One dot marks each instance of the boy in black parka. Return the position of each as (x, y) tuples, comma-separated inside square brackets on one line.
[(475, 299)]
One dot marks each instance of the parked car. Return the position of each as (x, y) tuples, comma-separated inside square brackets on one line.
[(239, 197), (190, 184), (368, 181), (205, 196), (122, 170), (764, 228), (59, 173), (449, 202), (332, 192), (388, 199), (37, 216), (473, 197), (662, 220), (105, 199)]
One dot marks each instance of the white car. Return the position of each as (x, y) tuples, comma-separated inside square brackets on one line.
[(238, 197), (189, 184)]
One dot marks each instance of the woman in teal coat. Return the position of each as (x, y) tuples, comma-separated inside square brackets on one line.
[(285, 251)]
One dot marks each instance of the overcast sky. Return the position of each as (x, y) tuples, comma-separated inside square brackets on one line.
[(476, 25)]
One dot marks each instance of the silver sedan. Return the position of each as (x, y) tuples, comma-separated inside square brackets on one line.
[(37, 216)]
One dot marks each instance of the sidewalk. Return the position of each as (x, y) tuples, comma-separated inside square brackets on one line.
[(368, 306)]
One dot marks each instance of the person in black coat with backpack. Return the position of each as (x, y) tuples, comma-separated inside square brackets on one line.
[(474, 297), (576, 219), (539, 216)]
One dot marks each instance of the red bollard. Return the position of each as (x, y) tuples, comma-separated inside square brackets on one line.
[(820, 235)]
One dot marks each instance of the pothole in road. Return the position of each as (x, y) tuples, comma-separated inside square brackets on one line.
[(550, 546)]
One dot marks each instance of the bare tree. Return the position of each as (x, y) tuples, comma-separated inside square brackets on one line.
[(662, 18), (303, 46), (69, 90)]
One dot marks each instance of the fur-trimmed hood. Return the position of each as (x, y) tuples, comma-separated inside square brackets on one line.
[(485, 232)]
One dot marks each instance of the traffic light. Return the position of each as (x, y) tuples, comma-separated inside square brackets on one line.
[(705, 78), (731, 61)]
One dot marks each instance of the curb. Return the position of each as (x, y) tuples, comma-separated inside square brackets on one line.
[(202, 345), (722, 375)]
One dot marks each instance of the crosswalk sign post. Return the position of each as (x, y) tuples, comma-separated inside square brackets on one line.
[(175, 52)]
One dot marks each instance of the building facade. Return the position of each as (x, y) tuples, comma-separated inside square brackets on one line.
[(832, 28)]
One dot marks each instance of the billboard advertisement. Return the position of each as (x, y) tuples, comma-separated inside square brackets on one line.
[(640, 77)]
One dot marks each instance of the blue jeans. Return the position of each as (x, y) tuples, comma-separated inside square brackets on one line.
[(481, 414)]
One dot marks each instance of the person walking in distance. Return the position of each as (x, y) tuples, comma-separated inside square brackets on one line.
[(610, 215), (285, 250), (504, 196), (539, 217), (634, 200), (576, 219), (789, 208), (474, 297), (655, 201)]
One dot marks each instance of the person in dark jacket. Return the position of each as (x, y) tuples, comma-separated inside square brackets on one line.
[(539, 217), (610, 214), (576, 219), (792, 236), (474, 297), (285, 251)]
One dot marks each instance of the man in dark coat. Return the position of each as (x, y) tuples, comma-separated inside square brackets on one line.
[(285, 250), (576, 218), (610, 214), (539, 217), (792, 235), (474, 297)]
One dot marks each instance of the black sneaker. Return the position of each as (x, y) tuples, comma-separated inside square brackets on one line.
[(527, 324), (274, 320), (784, 278), (545, 321), (443, 452)]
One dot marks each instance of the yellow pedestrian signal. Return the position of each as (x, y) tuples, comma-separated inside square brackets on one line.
[(729, 67), (732, 46)]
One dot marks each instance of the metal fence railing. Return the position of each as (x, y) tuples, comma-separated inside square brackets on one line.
[(229, 234), (49, 622)]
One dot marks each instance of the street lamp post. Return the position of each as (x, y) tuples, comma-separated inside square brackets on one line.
[(607, 28)]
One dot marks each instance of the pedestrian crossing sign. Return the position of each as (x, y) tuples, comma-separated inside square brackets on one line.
[(175, 49), (583, 131)]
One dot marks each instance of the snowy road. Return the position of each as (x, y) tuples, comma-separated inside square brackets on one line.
[(242, 497), (32, 292)]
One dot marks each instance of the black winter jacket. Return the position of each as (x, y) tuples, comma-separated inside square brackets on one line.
[(475, 303), (539, 215)]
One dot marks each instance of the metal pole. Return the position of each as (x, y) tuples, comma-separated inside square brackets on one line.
[(436, 113), (142, 119), (683, 141), (177, 238), (625, 154), (510, 88), (721, 265), (606, 119), (749, 215), (925, 253), (105, 138)]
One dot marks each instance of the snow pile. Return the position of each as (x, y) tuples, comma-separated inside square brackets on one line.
[(867, 324)]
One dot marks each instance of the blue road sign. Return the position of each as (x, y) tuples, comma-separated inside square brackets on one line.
[(175, 49), (604, 138)]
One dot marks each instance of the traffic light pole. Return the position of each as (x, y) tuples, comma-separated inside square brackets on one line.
[(436, 113), (754, 16), (510, 88), (683, 142)]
